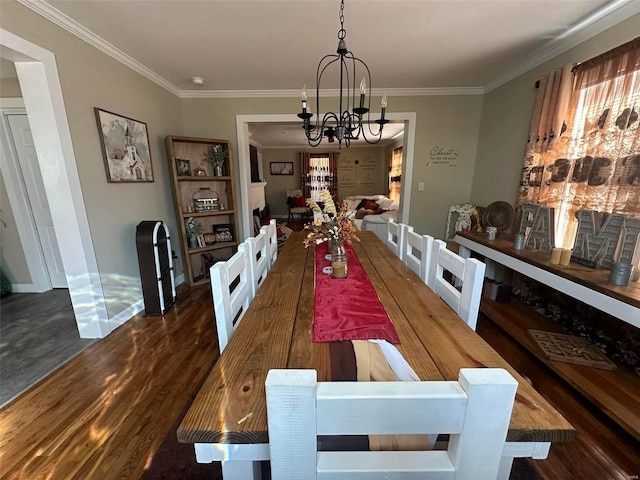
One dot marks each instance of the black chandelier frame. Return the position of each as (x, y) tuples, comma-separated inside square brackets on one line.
[(349, 124)]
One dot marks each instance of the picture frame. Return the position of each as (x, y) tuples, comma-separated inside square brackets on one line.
[(224, 232), (209, 238), (281, 168), (201, 242), (125, 148), (183, 167)]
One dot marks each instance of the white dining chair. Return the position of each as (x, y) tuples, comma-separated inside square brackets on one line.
[(475, 411), (417, 252), (395, 238), (469, 271), (271, 231), (231, 294), (258, 258)]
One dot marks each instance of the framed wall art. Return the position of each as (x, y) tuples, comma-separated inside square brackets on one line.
[(281, 168), (183, 167), (223, 232), (125, 148)]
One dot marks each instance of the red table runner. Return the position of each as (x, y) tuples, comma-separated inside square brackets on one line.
[(348, 308)]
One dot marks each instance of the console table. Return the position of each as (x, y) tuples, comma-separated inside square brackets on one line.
[(616, 393), (582, 283)]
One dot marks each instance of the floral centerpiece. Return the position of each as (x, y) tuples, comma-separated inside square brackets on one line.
[(328, 223)]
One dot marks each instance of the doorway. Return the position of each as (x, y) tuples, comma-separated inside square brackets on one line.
[(37, 74), (28, 199), (242, 129)]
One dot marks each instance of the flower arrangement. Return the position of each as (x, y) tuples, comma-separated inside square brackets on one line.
[(216, 155), (329, 224), (192, 227)]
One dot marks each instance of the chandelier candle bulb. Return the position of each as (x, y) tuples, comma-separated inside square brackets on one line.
[(556, 254), (363, 92), (304, 98), (565, 257)]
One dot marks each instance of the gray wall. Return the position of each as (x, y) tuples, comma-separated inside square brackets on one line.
[(449, 122), (91, 79), (10, 88), (12, 259), (507, 111)]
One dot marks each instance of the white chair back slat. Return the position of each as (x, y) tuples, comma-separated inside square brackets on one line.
[(395, 238), (477, 422), (417, 252), (230, 305), (271, 231), (469, 271), (257, 250)]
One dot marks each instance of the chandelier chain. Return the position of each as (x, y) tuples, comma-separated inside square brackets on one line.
[(342, 32)]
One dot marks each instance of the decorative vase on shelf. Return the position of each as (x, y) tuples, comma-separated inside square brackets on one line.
[(218, 170), (339, 260), (193, 241)]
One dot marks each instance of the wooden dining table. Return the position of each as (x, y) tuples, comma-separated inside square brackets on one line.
[(227, 420)]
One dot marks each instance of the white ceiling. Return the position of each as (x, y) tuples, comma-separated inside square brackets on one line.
[(272, 47)]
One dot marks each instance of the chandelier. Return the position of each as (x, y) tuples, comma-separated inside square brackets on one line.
[(349, 123)]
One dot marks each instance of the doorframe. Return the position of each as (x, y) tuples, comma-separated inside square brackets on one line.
[(242, 130), (19, 202), (44, 103)]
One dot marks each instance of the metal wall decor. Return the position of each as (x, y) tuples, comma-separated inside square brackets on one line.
[(347, 124), (537, 226), (604, 238)]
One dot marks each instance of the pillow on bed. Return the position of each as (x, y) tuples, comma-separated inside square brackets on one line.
[(368, 205), (386, 203), (363, 212)]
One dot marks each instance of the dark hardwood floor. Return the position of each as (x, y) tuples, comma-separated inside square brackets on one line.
[(111, 412)]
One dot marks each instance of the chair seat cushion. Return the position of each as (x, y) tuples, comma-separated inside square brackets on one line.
[(299, 202), (299, 210)]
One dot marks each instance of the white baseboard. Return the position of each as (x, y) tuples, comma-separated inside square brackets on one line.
[(129, 312), (126, 314), (25, 288)]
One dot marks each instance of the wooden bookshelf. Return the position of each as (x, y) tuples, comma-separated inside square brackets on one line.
[(189, 153)]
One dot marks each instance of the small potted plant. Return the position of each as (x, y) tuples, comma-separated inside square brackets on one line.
[(193, 229), (216, 155)]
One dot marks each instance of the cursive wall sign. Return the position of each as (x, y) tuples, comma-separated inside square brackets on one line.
[(442, 156)]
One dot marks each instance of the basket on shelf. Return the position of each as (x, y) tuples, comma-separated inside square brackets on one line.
[(205, 200)]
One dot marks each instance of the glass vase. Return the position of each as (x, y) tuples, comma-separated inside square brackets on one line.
[(218, 171), (339, 261)]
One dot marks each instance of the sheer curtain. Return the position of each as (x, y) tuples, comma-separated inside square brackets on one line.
[(584, 148), (395, 174), (319, 171)]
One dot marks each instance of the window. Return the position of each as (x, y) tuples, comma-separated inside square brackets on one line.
[(395, 174), (319, 172), (583, 151)]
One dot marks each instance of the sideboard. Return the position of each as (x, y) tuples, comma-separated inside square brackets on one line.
[(616, 393), (582, 283)]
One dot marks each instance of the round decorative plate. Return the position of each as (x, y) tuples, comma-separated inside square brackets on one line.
[(498, 214)]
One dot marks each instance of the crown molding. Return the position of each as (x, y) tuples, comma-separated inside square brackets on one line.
[(606, 17), (392, 92), (51, 13), (601, 20)]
